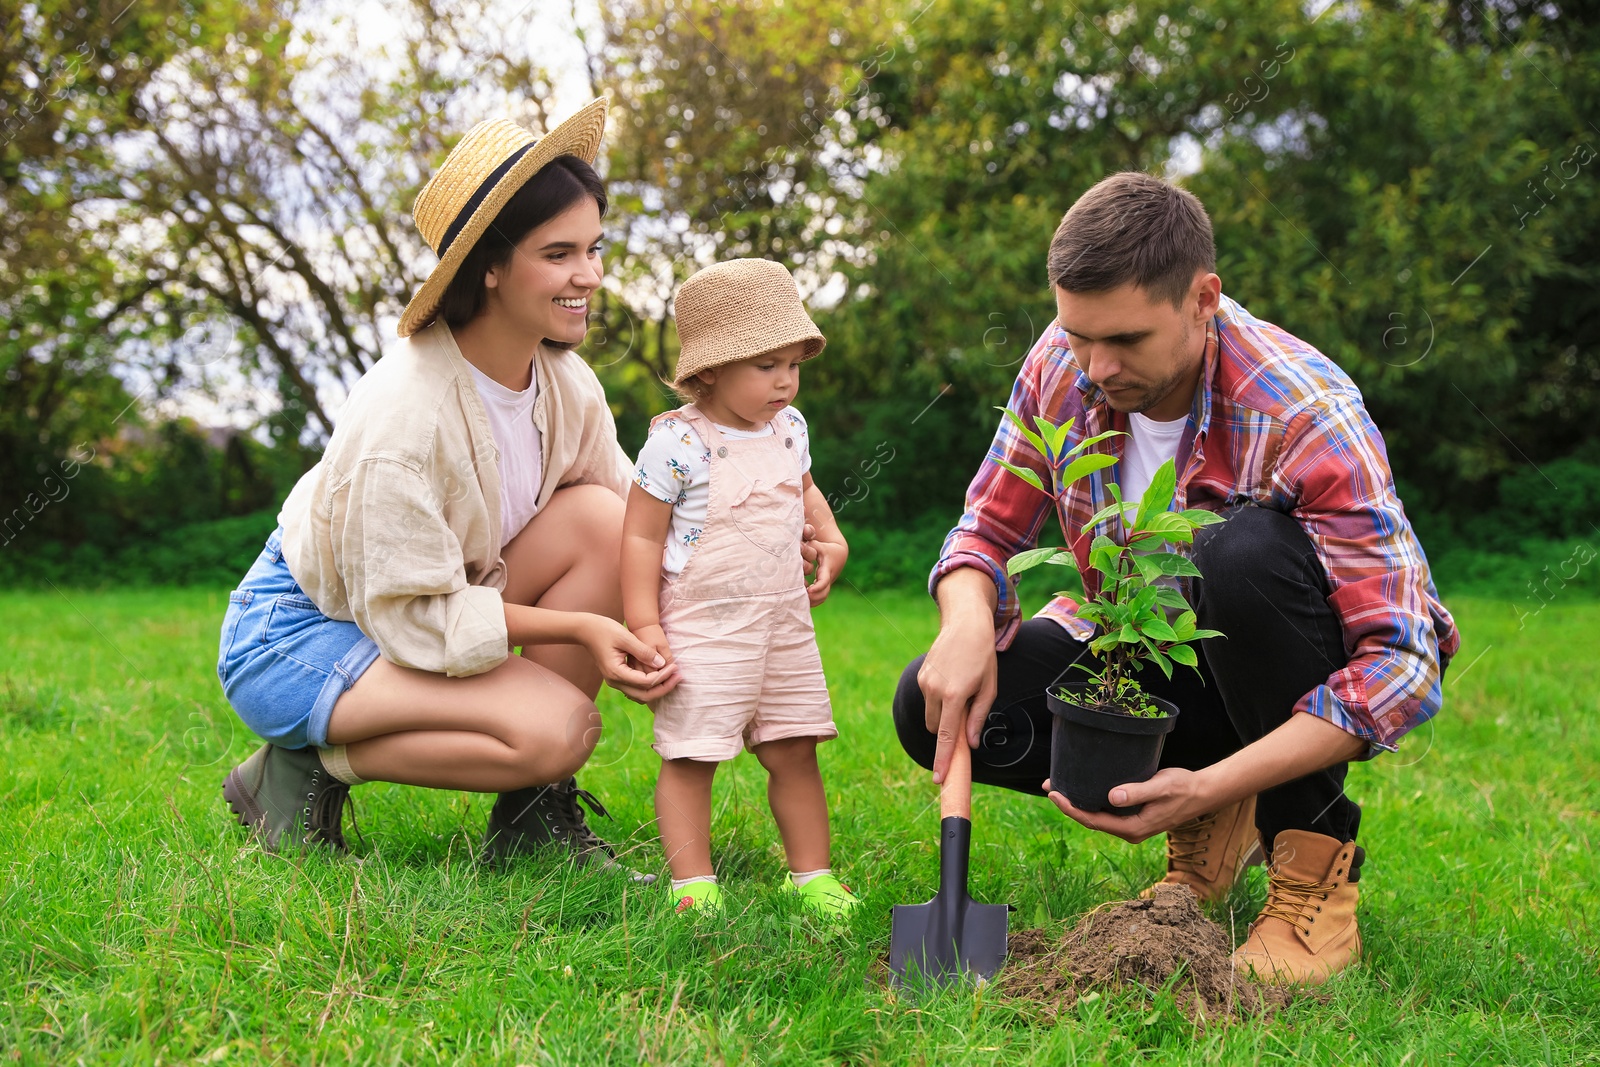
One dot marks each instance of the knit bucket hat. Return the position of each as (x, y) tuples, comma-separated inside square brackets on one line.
[(737, 310), (478, 178)]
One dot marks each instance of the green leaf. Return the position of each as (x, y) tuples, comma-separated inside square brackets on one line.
[(1090, 442), (1163, 662), (1183, 625), (1198, 634), (1166, 520), (1158, 496), (1031, 558), (1102, 515), (1185, 655), (1103, 643), (1148, 569), (1033, 439), (1085, 465), (1150, 537), (1128, 635), (1173, 565), (1026, 475), (1168, 597), (1161, 630), (1201, 517)]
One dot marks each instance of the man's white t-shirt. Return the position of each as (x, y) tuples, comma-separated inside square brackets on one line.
[(1152, 443), (675, 466), (521, 464)]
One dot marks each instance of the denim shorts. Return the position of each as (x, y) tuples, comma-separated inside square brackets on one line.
[(283, 663)]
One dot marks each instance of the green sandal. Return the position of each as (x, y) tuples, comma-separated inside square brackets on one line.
[(702, 896), (825, 895)]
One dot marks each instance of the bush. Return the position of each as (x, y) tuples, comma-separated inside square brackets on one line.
[(215, 553)]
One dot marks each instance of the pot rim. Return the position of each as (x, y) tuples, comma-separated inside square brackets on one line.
[(1110, 720)]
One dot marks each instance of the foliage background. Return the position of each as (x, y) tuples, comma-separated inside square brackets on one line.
[(210, 239)]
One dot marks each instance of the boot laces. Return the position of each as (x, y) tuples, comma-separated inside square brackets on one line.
[(1187, 843), (567, 796), (324, 807), (1294, 901)]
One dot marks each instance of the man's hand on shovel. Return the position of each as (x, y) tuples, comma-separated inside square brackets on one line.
[(958, 675)]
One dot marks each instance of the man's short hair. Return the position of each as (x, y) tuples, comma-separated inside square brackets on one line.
[(1133, 227)]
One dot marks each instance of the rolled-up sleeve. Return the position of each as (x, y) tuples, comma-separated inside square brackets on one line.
[(1335, 465), (404, 574)]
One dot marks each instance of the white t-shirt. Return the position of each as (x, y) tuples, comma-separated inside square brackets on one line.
[(521, 463), (1152, 443), (675, 466)]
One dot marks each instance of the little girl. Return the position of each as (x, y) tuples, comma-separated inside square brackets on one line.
[(712, 576)]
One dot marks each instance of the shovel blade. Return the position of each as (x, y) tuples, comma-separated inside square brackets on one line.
[(940, 942)]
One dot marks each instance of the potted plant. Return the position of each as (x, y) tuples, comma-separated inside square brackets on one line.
[(1107, 730)]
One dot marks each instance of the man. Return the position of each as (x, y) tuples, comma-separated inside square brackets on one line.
[(1335, 638)]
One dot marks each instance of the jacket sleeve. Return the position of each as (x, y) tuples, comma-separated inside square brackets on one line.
[(403, 569), (1337, 470)]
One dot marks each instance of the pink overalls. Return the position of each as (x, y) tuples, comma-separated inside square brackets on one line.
[(737, 617)]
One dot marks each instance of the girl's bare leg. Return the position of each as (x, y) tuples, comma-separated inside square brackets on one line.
[(683, 815), (799, 805), (530, 721)]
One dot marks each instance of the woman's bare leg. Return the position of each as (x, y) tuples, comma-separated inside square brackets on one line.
[(515, 726), (567, 559), (530, 721)]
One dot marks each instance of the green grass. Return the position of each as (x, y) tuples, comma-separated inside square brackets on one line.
[(139, 925)]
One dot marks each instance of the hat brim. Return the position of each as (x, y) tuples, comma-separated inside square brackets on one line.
[(578, 136), (699, 361)]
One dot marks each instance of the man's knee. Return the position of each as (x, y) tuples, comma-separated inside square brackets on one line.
[(1248, 544)]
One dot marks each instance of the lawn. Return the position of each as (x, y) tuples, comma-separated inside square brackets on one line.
[(139, 924)]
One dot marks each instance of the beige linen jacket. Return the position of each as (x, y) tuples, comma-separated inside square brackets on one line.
[(398, 527)]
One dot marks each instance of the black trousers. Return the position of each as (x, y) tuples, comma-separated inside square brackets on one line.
[(1263, 588)]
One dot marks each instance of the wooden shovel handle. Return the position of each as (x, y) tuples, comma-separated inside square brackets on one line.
[(955, 795)]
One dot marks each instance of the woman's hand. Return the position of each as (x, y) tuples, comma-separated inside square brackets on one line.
[(616, 651)]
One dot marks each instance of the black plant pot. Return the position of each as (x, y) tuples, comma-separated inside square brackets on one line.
[(1093, 751)]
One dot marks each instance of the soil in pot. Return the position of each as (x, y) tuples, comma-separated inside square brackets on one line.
[(1095, 748), (1143, 943)]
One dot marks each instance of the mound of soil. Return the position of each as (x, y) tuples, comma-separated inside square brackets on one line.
[(1145, 942)]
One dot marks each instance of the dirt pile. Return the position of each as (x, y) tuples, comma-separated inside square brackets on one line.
[(1142, 941)]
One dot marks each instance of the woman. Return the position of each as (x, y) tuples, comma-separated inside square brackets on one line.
[(469, 501)]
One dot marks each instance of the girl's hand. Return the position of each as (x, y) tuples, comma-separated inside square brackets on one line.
[(831, 557), (808, 549), (654, 636), (616, 650)]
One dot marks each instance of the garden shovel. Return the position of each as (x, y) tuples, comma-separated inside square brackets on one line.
[(951, 937)]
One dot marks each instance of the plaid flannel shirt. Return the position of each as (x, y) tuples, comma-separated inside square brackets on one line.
[(1274, 423)]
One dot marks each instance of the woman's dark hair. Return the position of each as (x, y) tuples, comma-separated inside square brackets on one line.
[(558, 185)]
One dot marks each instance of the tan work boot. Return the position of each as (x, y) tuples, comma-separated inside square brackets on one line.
[(1306, 932), (1208, 853)]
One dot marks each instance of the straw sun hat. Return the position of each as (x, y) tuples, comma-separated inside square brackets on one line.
[(477, 179), (737, 310)]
